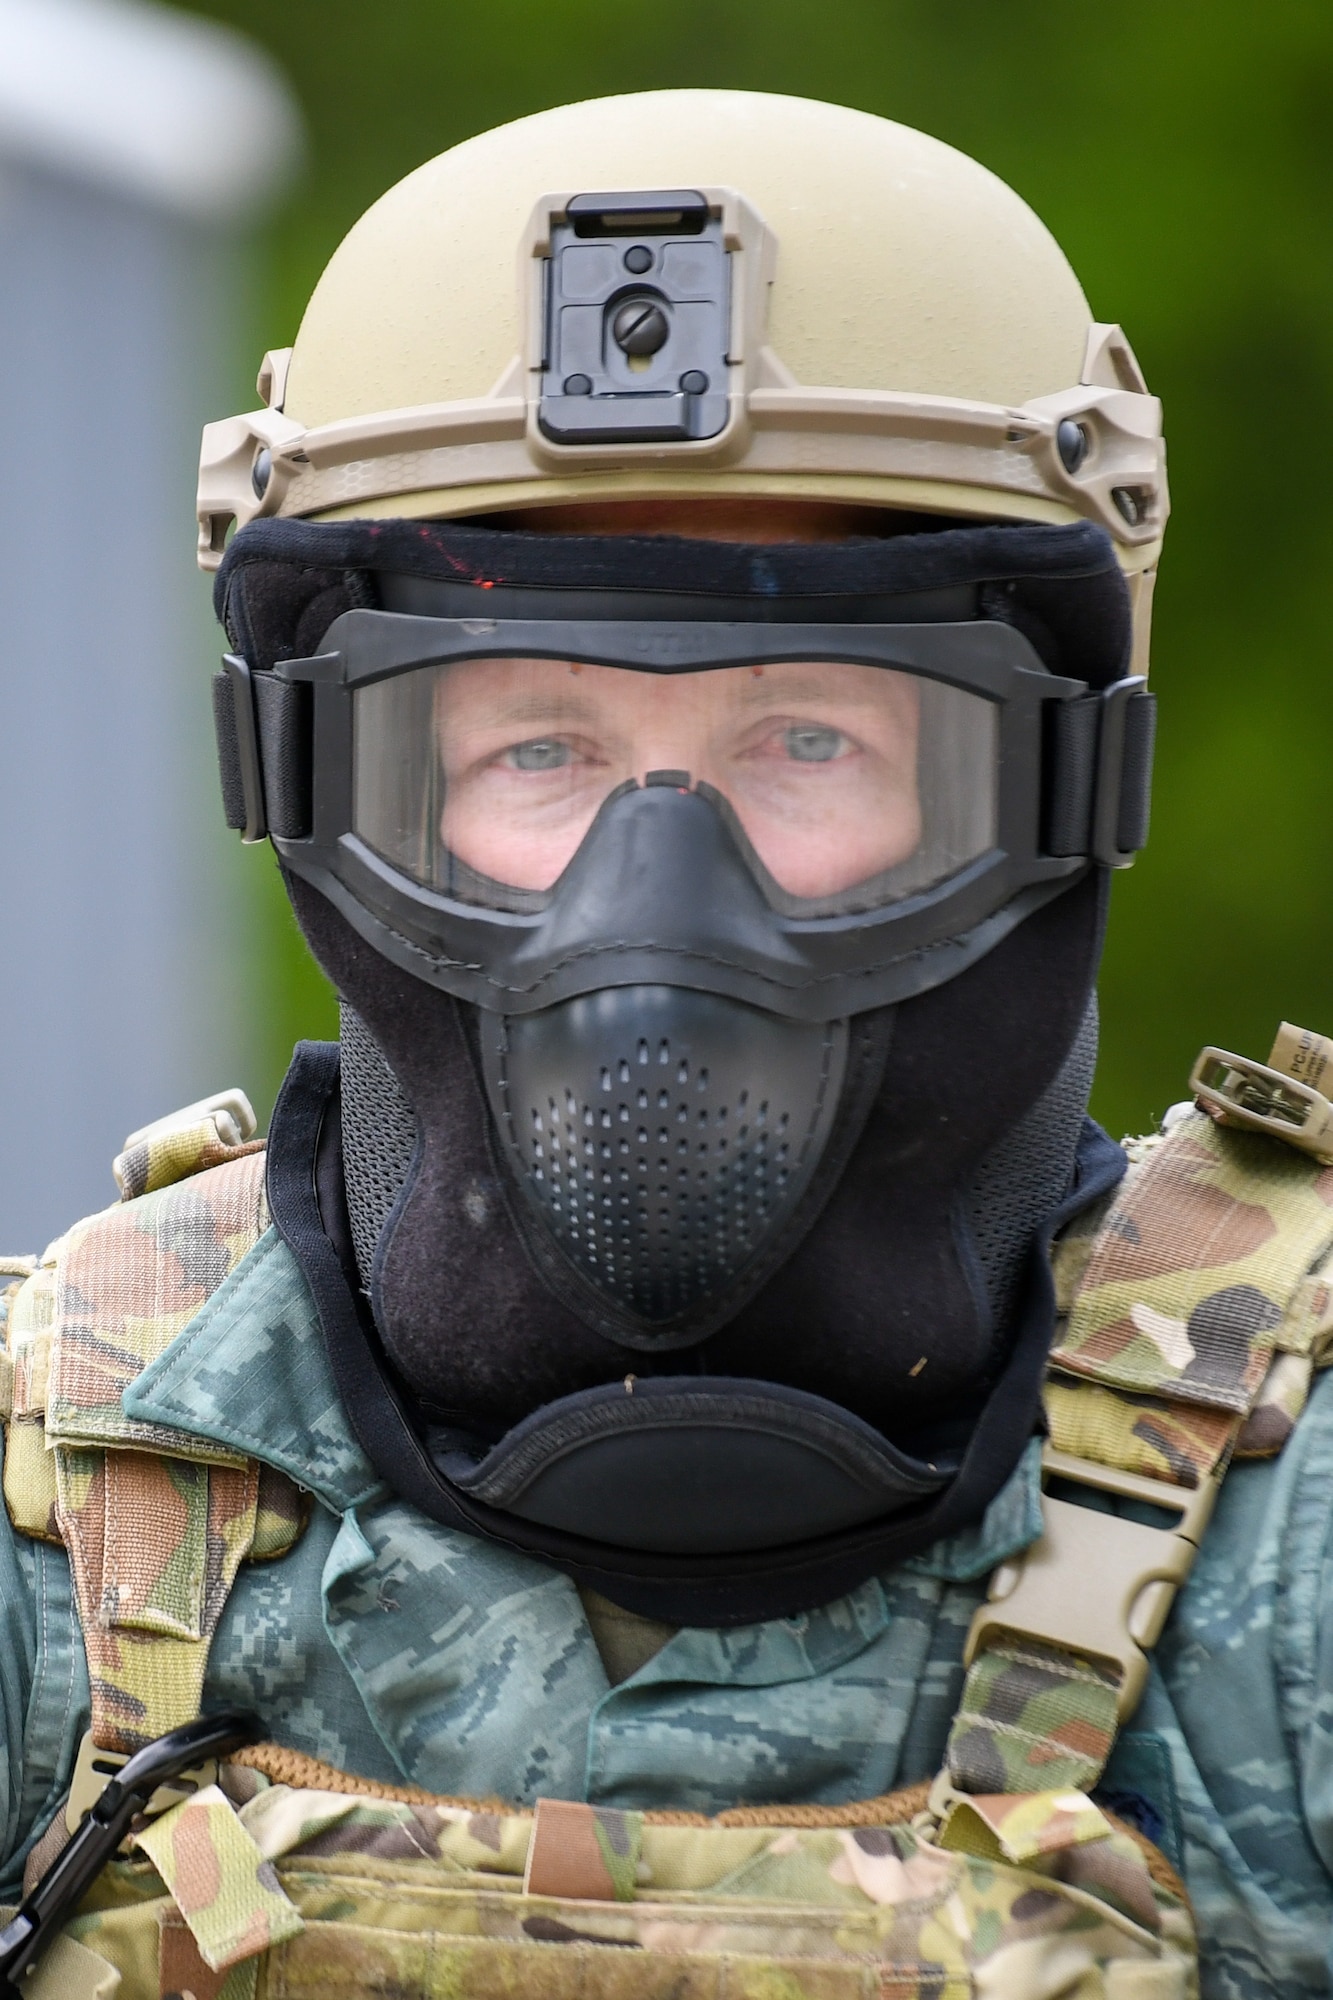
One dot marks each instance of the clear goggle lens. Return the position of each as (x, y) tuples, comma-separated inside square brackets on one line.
[(848, 786)]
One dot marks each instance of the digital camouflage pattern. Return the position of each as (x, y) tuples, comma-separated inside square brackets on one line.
[(458, 1659), (429, 1900)]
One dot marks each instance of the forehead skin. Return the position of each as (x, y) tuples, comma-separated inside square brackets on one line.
[(474, 833)]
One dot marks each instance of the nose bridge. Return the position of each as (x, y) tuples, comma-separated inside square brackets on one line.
[(672, 728), (660, 867)]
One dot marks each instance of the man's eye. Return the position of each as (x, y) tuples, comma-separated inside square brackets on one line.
[(812, 743), (544, 753)]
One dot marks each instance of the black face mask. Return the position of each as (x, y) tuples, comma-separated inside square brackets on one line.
[(718, 1380), (873, 1295)]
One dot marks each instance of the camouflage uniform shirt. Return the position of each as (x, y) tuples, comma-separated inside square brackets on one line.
[(389, 1645)]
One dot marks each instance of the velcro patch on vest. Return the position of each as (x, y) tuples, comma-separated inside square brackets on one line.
[(583, 1853)]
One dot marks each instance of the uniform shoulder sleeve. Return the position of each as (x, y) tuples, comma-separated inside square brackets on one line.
[(1303, 1611), (18, 1664)]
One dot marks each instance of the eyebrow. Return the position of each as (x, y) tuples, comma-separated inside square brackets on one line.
[(798, 682), (531, 707), (804, 686)]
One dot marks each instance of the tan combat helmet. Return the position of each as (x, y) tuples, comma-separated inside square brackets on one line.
[(895, 328)]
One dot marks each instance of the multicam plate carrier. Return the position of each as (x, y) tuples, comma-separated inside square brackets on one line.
[(1194, 1307)]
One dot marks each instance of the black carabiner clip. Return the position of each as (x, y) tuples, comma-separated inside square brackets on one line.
[(105, 1824)]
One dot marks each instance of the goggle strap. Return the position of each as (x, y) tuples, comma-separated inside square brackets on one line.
[(265, 752), (1071, 774), (1098, 764)]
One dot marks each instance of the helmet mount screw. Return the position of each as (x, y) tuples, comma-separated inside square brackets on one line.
[(640, 327), (1129, 504), (1071, 441), (261, 471)]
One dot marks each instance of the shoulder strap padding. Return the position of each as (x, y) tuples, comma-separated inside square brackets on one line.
[(1198, 1307), (156, 1521), (1195, 1305)]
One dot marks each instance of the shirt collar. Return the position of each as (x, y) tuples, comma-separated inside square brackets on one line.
[(250, 1371)]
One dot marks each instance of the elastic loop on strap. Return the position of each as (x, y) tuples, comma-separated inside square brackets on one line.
[(1071, 752), (283, 713)]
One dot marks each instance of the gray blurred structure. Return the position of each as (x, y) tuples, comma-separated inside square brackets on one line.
[(135, 145)]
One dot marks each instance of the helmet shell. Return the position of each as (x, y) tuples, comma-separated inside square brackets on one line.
[(901, 264), (912, 336)]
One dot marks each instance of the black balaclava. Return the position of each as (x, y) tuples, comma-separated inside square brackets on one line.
[(903, 1306)]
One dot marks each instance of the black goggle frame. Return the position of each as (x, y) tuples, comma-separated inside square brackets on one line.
[(1072, 791)]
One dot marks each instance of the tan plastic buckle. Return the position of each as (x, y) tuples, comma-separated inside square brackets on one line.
[(1096, 1585), (1255, 1098), (94, 1769)]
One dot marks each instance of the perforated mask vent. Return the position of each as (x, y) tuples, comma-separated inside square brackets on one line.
[(663, 1136)]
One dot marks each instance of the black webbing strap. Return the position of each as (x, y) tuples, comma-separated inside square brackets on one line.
[(1072, 766), (1131, 831), (283, 710), (1099, 751), (265, 757)]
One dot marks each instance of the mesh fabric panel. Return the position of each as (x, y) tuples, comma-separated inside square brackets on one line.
[(1020, 1182), (1026, 1175), (379, 1135)]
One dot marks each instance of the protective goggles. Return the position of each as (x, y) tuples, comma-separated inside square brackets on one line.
[(816, 817)]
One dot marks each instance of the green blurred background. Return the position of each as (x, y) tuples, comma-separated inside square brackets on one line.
[(1184, 157)]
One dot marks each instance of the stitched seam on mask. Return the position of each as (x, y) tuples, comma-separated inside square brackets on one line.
[(838, 1442), (914, 957)]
